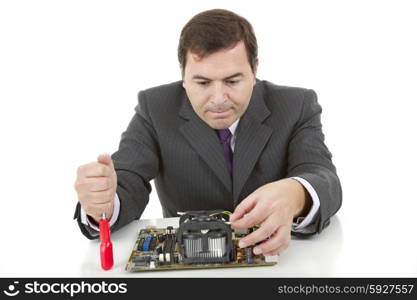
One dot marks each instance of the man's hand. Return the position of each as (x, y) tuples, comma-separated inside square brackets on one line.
[(273, 206), (96, 187)]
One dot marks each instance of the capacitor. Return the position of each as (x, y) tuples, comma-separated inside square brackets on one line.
[(249, 256)]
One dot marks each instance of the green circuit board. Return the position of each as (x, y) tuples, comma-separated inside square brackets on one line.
[(158, 249)]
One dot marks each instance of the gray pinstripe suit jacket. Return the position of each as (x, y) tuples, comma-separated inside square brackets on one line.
[(279, 135)]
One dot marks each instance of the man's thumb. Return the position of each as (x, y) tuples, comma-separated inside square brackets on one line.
[(105, 158)]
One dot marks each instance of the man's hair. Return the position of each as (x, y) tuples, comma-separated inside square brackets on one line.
[(213, 30)]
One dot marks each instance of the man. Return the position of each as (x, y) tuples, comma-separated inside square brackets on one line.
[(219, 139)]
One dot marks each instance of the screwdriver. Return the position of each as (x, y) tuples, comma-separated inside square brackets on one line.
[(106, 247)]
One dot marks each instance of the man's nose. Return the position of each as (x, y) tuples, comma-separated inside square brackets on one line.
[(218, 93)]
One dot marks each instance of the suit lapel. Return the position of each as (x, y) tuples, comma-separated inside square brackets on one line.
[(205, 142), (251, 137)]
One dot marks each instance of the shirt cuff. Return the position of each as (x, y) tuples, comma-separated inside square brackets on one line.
[(116, 210), (304, 222)]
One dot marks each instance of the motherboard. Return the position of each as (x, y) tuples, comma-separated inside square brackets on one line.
[(204, 239)]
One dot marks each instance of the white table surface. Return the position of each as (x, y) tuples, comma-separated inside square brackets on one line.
[(321, 254), (329, 254)]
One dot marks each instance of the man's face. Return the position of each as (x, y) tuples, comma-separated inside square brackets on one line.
[(219, 85)]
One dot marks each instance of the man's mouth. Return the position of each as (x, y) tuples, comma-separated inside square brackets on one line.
[(220, 114)]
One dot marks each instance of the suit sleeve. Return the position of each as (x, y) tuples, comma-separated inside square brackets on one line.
[(310, 159), (136, 163)]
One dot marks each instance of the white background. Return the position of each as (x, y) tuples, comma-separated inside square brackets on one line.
[(70, 72)]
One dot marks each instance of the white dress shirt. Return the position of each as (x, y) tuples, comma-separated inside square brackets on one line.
[(302, 225)]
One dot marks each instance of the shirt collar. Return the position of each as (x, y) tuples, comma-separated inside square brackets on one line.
[(233, 127)]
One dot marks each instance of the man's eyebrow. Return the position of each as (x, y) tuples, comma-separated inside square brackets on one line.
[(233, 76), (227, 78)]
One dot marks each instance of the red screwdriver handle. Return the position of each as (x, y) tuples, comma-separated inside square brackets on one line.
[(106, 247)]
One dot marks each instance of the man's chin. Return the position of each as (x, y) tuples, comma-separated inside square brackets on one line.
[(220, 123)]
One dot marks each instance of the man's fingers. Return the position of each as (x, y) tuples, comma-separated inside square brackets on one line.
[(277, 243), (102, 167), (97, 210), (94, 184), (94, 169), (105, 159), (97, 197), (263, 232), (243, 208), (256, 215)]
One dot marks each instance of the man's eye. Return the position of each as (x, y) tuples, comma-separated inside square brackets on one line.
[(202, 83), (232, 81)]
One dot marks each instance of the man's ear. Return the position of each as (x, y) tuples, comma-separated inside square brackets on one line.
[(182, 75), (255, 70)]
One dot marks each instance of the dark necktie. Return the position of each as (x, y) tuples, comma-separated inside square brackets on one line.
[(224, 136)]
